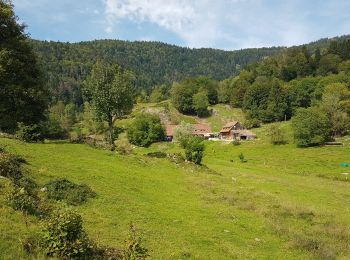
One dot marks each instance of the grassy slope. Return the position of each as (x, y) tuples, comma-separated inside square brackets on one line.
[(284, 203)]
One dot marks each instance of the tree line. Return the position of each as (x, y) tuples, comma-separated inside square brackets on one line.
[(66, 65)]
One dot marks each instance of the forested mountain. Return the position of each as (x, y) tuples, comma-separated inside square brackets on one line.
[(65, 65), (325, 42)]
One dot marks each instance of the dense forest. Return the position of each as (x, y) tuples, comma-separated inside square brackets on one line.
[(66, 65)]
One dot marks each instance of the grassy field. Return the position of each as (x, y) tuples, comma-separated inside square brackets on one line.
[(283, 203)]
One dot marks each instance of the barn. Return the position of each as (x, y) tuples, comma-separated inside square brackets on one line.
[(235, 130)]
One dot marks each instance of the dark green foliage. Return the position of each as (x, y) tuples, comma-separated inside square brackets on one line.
[(193, 95), (61, 119), (194, 149), (134, 249), (157, 155), (30, 133), (71, 193), (242, 158), (10, 166), (277, 135), (20, 199), (159, 93), (22, 94), (256, 97), (201, 103), (328, 64), (64, 236), (68, 64), (145, 130), (252, 123), (311, 127), (181, 97), (340, 48), (274, 88)]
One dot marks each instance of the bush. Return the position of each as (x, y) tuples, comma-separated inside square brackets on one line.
[(10, 166), (157, 155), (145, 130), (29, 133), (134, 248), (277, 136), (20, 199), (123, 147), (242, 158), (69, 192), (176, 158), (252, 123), (65, 237), (194, 150)]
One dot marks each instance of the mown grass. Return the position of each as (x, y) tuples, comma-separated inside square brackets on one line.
[(283, 203)]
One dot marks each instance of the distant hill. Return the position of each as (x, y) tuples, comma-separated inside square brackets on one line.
[(66, 65), (324, 42)]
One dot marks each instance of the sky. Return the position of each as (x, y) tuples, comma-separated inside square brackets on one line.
[(221, 24)]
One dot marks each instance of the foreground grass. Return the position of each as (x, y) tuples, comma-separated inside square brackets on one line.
[(283, 203)]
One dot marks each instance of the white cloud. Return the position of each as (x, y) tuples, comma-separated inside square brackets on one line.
[(184, 18), (224, 23), (228, 24)]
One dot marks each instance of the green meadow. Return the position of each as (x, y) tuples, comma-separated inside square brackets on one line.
[(282, 203)]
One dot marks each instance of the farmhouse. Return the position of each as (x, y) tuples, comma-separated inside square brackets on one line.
[(201, 130), (234, 130)]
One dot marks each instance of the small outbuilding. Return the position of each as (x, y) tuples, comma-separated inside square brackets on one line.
[(235, 130)]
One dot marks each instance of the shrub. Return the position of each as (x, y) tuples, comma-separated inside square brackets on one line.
[(145, 130), (157, 154), (65, 237), (277, 136), (242, 158), (194, 150), (32, 245), (29, 133), (69, 192), (76, 136), (123, 147), (20, 199), (134, 248), (176, 158), (252, 123), (10, 166)]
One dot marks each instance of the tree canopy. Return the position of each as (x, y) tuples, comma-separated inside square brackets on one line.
[(23, 97), (111, 90)]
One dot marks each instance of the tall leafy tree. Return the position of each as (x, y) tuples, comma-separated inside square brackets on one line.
[(311, 127), (111, 90), (201, 103), (332, 104), (22, 96)]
